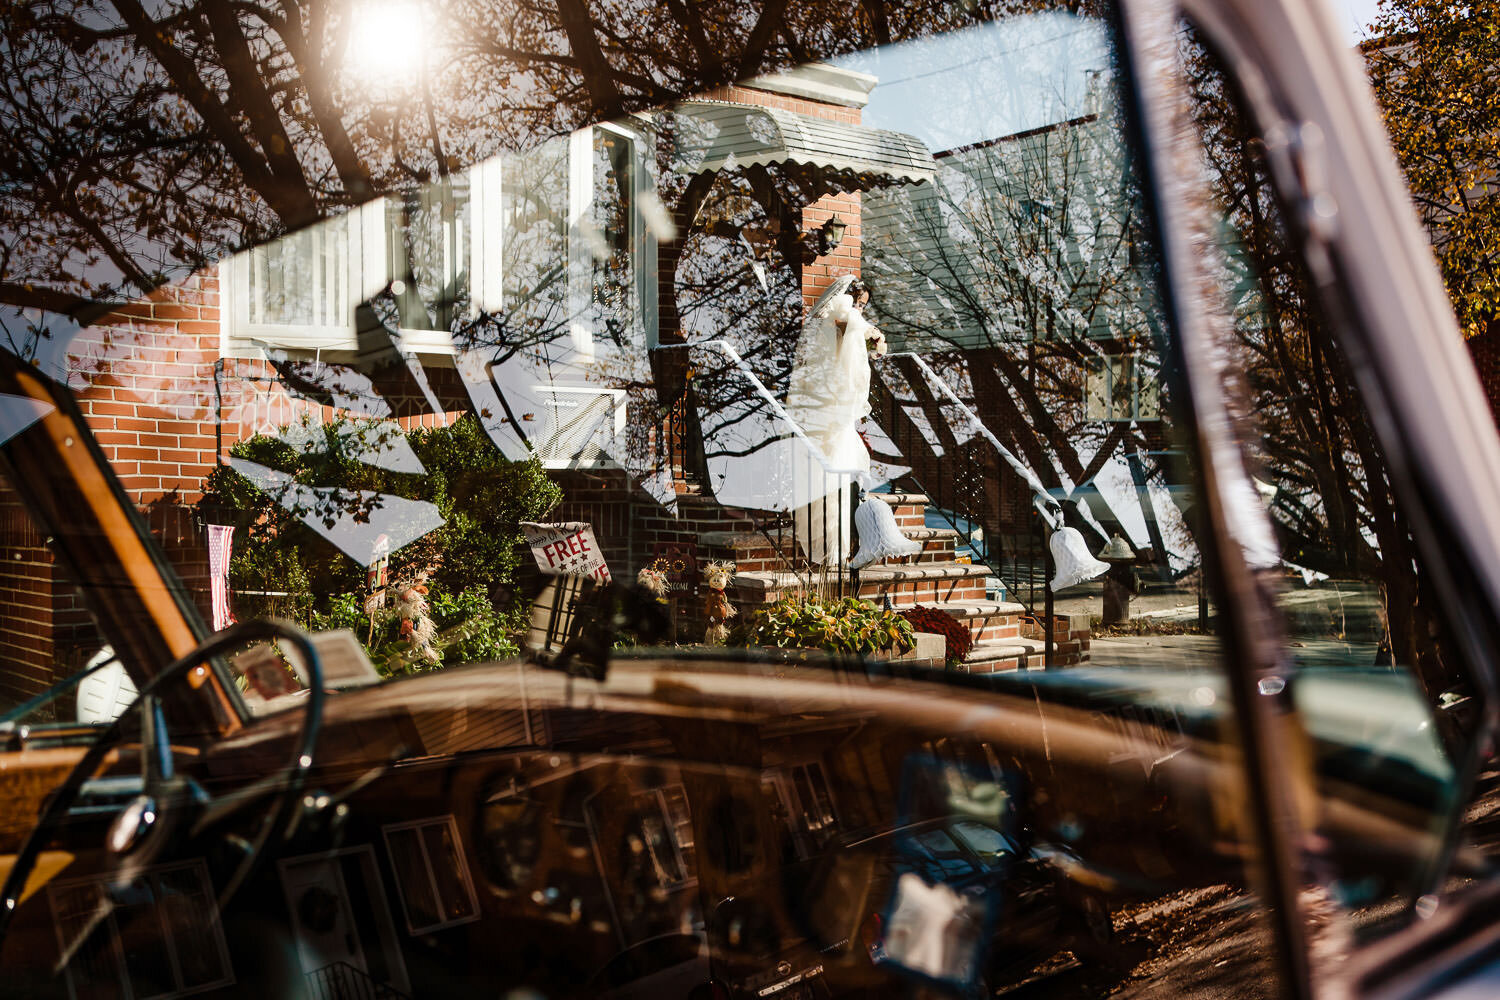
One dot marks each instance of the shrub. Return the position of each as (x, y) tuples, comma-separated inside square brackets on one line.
[(956, 634), (840, 626), (481, 496), (469, 628)]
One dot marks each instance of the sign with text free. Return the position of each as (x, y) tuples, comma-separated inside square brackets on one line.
[(566, 549)]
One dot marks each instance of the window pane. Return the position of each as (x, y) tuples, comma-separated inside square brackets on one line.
[(449, 870), (95, 968), (143, 941), (983, 840), (187, 911), (857, 368), (422, 910)]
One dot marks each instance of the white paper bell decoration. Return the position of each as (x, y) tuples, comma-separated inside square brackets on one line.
[(879, 536), (104, 694), (1071, 556)]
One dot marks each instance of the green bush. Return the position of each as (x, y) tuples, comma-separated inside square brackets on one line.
[(470, 629), (846, 625), (470, 561)]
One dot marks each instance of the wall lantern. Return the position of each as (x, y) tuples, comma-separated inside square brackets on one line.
[(830, 235)]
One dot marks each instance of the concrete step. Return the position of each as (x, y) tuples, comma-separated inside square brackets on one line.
[(898, 499), (752, 550), (910, 508), (980, 609), (938, 544), (906, 585), (885, 573), (996, 655), (923, 583)]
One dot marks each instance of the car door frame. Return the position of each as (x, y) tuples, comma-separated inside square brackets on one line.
[(1378, 284)]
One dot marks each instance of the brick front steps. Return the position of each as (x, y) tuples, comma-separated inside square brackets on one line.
[(1003, 638), (752, 550), (1004, 654)]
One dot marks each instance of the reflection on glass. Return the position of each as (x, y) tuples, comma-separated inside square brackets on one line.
[(1376, 675), (645, 325)]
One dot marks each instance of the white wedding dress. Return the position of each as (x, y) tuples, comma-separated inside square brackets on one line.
[(830, 394)]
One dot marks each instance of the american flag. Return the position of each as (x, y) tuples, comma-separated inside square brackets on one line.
[(219, 537)]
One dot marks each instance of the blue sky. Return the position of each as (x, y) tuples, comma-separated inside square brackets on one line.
[(997, 79), (1355, 14), (1007, 77)]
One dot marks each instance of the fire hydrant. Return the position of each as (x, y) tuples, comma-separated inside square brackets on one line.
[(1119, 582)]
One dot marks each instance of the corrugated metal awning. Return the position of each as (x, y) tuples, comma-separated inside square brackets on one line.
[(710, 135)]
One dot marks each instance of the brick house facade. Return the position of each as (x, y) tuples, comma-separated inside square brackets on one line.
[(152, 380), (167, 401)]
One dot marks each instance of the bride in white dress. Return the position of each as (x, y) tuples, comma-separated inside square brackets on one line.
[(829, 396)]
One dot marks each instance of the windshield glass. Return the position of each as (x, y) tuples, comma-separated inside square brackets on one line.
[(779, 344), (749, 526)]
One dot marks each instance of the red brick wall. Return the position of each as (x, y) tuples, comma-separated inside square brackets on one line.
[(786, 102), (845, 258), (144, 379), (44, 629), (603, 499), (26, 650)]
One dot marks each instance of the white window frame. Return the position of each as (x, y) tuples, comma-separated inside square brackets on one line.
[(1144, 405), (337, 290), (812, 768), (371, 250), (419, 825), (642, 242), (673, 832), (798, 817), (619, 404), (127, 990)]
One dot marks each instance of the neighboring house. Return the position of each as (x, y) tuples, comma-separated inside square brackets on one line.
[(1051, 344)]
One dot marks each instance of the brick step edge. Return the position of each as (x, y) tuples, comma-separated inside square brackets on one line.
[(870, 575)]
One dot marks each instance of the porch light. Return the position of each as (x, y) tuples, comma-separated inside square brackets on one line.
[(830, 235)]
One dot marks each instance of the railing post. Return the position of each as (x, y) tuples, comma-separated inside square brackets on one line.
[(1049, 613)]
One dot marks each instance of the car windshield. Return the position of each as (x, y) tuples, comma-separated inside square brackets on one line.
[(726, 471)]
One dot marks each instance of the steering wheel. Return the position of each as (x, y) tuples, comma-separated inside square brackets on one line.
[(139, 833)]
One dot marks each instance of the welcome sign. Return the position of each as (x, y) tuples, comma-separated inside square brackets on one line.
[(566, 549)]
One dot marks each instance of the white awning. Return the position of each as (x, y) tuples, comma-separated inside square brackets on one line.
[(713, 134)]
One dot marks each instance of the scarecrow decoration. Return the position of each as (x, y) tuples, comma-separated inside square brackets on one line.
[(417, 627), (716, 607), (654, 579)]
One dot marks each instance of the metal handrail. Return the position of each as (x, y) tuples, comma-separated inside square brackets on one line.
[(1047, 507), (342, 981), (1046, 504)]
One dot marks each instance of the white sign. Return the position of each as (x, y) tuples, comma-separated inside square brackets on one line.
[(566, 549)]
